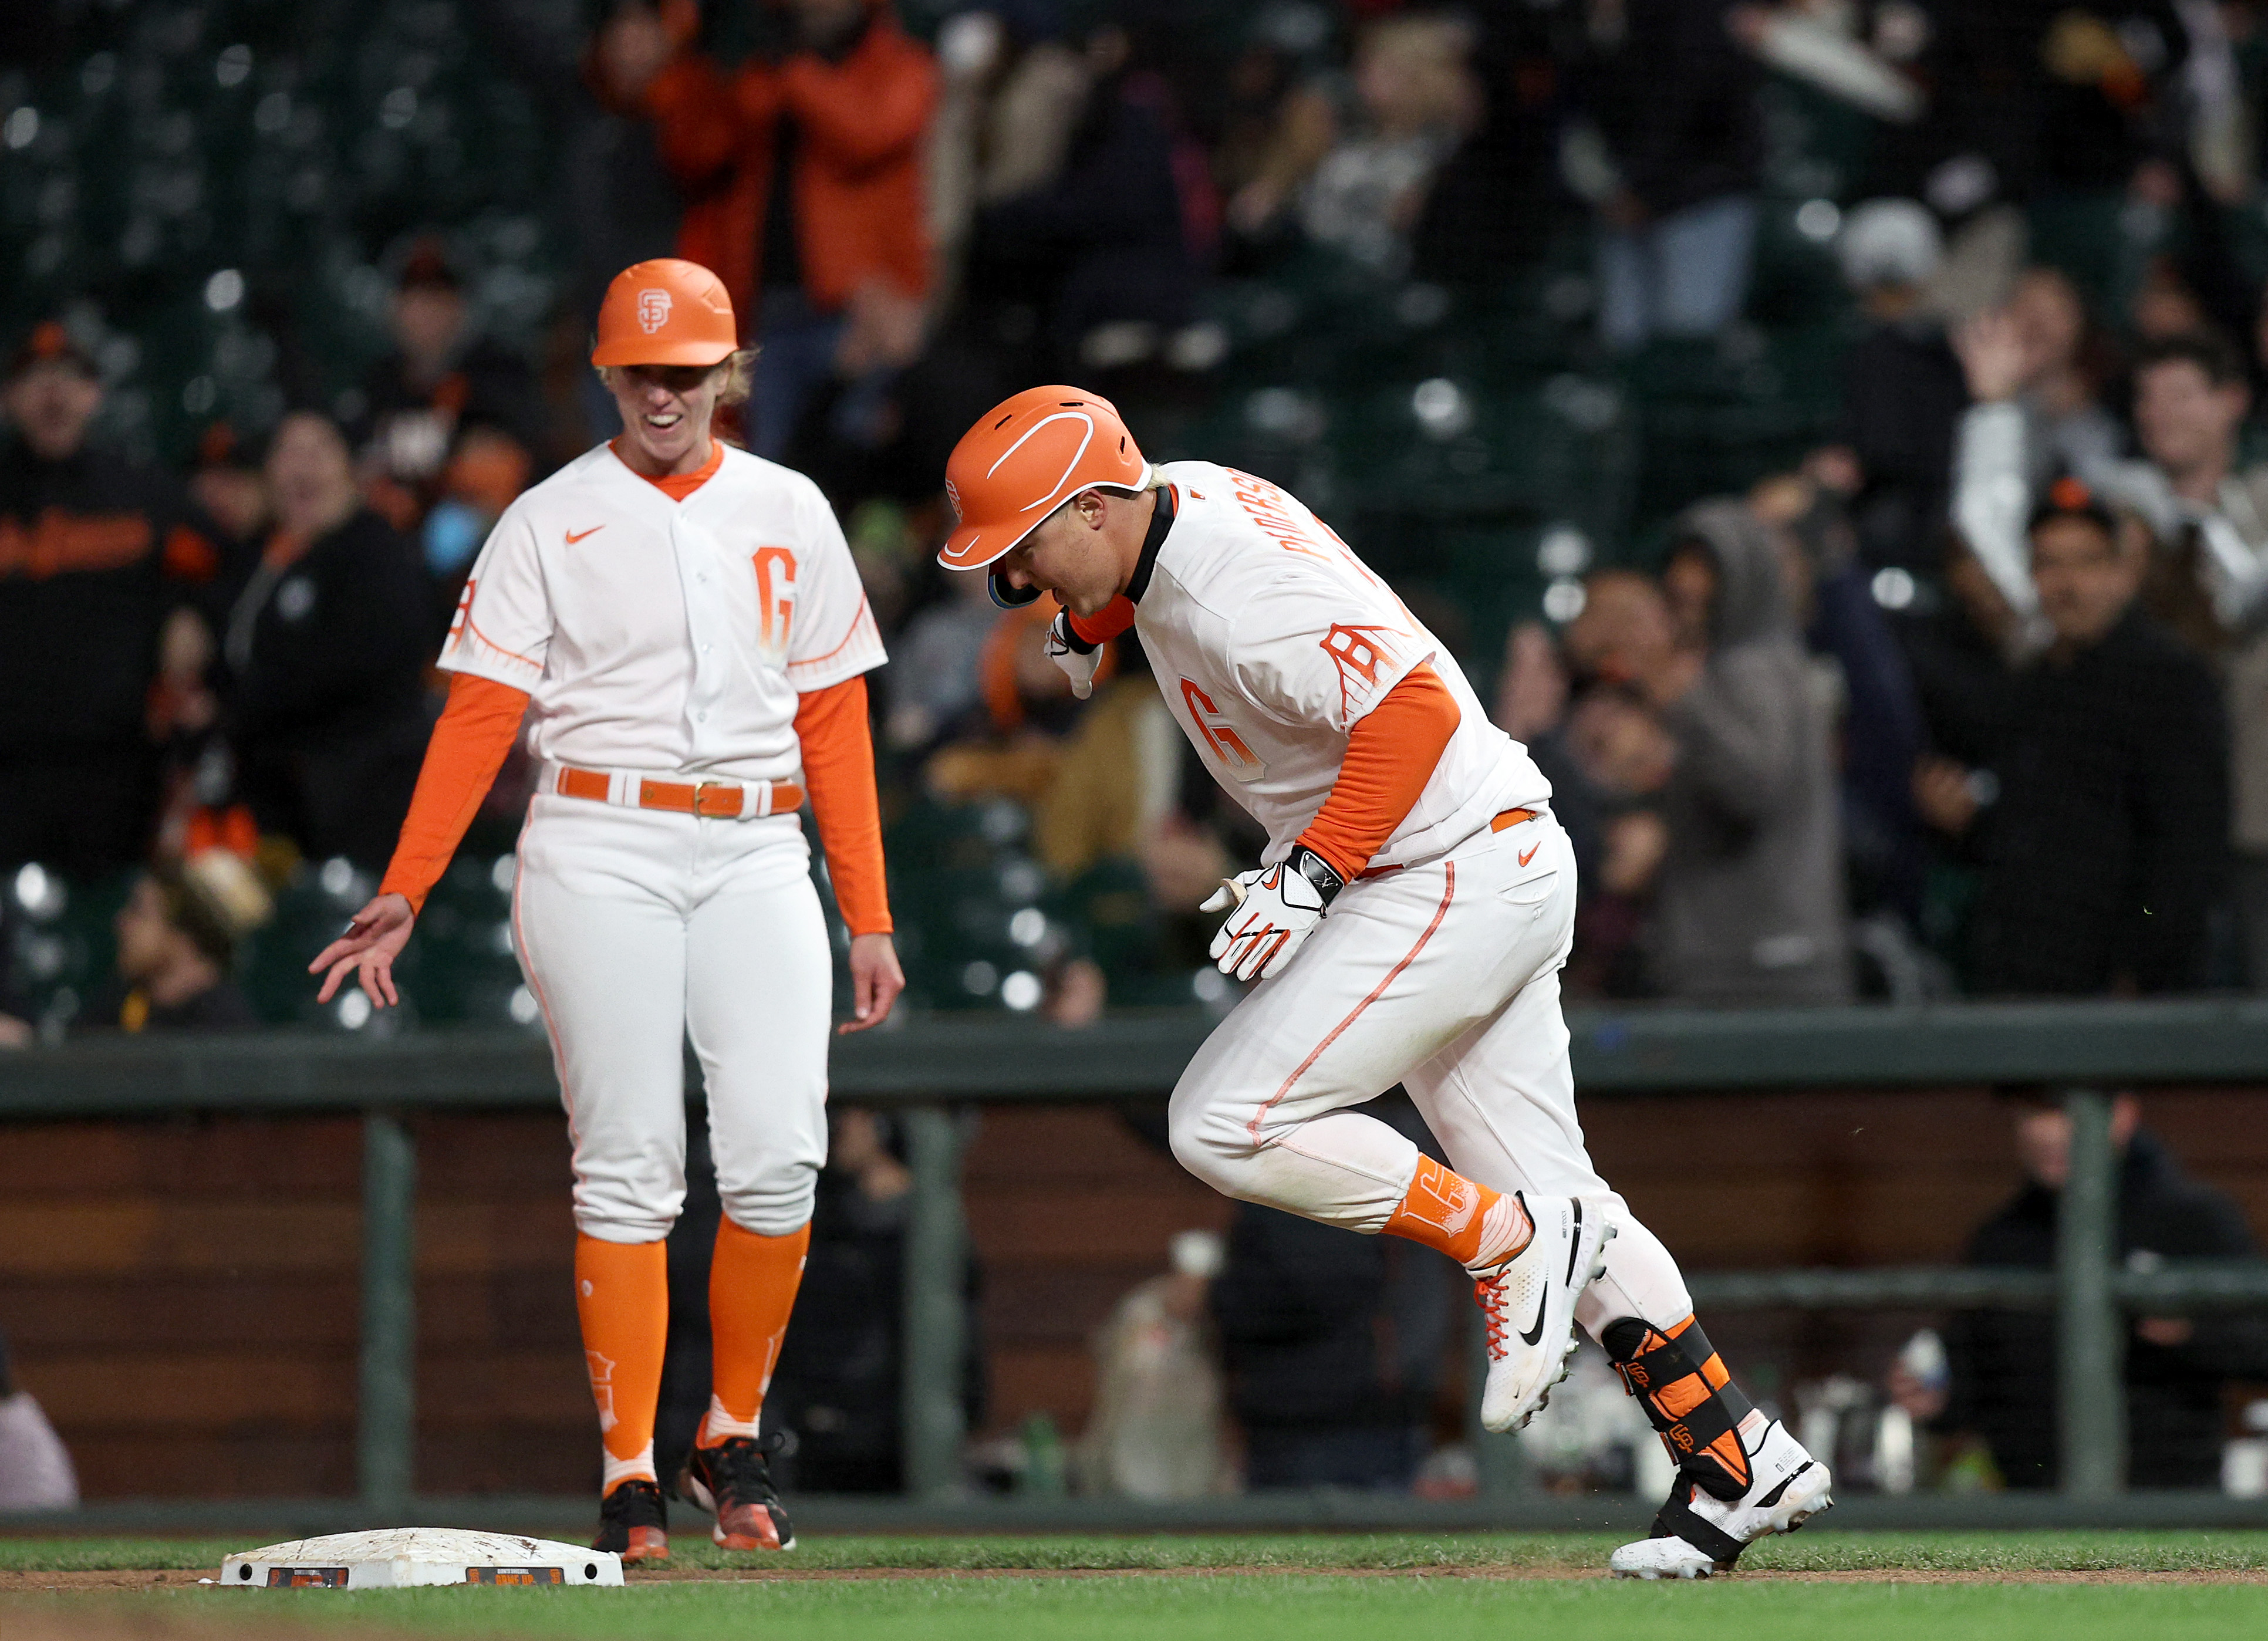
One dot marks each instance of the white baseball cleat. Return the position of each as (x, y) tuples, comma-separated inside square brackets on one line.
[(1696, 1535), (1529, 1304)]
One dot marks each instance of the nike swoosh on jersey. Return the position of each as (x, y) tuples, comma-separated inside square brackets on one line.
[(574, 536), (1524, 859)]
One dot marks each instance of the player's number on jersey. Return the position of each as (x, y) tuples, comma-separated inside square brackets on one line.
[(774, 595)]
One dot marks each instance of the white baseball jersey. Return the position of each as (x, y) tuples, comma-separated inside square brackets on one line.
[(1271, 640), (662, 634)]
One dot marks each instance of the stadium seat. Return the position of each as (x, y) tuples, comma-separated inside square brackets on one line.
[(961, 880), (64, 948), (192, 140)]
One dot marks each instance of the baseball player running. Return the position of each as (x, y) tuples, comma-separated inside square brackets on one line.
[(1408, 926), (689, 626)]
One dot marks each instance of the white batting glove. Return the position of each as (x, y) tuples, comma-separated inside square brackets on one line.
[(1078, 664), (1276, 907)]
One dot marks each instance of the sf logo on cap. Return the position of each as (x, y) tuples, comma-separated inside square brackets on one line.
[(653, 309)]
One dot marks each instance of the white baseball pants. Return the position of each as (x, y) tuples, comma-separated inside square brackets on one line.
[(1445, 978), (637, 928)]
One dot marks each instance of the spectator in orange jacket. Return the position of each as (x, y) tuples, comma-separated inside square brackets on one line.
[(803, 176)]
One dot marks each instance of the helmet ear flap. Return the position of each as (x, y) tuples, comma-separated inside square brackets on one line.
[(1006, 597)]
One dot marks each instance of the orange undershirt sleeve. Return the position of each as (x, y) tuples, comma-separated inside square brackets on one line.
[(1390, 755), (476, 730), (838, 766), (1116, 617)]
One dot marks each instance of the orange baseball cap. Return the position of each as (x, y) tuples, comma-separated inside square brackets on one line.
[(1026, 457), (49, 343), (665, 311)]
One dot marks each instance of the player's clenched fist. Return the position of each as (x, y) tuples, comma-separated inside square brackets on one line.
[(1077, 658), (1275, 909)]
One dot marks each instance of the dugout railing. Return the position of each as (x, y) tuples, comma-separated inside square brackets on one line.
[(931, 1068)]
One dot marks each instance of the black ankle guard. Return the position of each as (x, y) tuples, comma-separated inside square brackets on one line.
[(1679, 1520), (1650, 1362)]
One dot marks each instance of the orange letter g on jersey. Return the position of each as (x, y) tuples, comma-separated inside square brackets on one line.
[(1219, 734), (775, 596)]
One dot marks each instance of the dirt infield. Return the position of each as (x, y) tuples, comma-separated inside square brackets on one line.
[(1876, 1575), (71, 1582), (79, 1582)]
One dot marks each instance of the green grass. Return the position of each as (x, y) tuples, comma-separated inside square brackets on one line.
[(1817, 1551), (1279, 1588), (1272, 1607)]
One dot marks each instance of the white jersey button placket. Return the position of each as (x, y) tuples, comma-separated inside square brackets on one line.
[(699, 560)]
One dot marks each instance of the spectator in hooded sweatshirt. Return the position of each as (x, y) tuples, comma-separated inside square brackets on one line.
[(1881, 728), (1748, 899)]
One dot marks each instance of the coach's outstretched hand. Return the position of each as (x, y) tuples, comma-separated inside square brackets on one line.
[(367, 950), (875, 982)]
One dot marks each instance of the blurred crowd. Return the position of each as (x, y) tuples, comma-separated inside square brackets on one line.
[(1968, 696)]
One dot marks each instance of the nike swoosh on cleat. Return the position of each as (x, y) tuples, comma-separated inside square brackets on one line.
[(574, 536), (1574, 1244), (1532, 1334)]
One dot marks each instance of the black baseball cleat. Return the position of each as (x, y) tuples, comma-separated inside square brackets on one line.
[(634, 1523), (732, 1481)]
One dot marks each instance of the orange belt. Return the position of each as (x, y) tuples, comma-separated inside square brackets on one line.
[(1508, 818), (712, 800)]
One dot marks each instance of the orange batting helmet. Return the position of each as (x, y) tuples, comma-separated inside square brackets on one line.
[(1026, 457), (665, 311)]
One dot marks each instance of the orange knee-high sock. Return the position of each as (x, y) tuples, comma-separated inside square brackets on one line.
[(622, 1294), (1463, 1219), (752, 1285)]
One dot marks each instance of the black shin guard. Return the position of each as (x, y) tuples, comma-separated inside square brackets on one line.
[(1688, 1398)]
